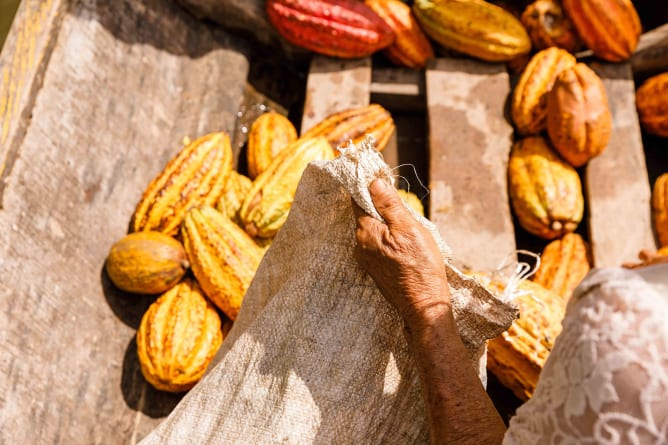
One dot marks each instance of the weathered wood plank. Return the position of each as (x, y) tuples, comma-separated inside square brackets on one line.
[(400, 89), (651, 55), (126, 81), (617, 184), (469, 141)]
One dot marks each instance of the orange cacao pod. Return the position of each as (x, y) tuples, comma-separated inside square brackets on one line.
[(660, 208), (545, 191), (652, 104), (353, 125), (662, 251), (579, 122), (177, 338), (563, 264), (549, 26), (411, 48), (195, 176), (338, 28), (269, 134), (610, 28), (528, 107)]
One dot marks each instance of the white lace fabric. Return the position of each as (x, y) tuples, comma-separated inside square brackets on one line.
[(606, 379)]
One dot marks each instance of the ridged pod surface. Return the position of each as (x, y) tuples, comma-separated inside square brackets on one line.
[(545, 191), (528, 107), (353, 125), (195, 176), (178, 337), (266, 207), (516, 358), (269, 134), (223, 257), (548, 25), (579, 121), (236, 190), (563, 264), (412, 200), (660, 208), (610, 28), (652, 104), (473, 27), (338, 28), (411, 47), (146, 262)]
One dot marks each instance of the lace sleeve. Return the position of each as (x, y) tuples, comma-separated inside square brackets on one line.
[(606, 379)]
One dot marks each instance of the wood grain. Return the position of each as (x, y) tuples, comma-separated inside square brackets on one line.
[(469, 143), (651, 55), (123, 83), (617, 184)]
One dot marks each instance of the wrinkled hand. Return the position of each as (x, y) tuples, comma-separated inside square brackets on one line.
[(401, 256)]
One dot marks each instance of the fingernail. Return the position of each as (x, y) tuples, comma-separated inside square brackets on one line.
[(378, 185)]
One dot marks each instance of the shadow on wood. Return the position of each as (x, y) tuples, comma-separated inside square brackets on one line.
[(129, 308)]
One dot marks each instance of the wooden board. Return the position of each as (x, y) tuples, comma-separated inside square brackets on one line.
[(100, 95), (617, 185), (469, 143)]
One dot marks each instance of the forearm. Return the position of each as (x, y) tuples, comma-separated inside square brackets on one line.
[(458, 408)]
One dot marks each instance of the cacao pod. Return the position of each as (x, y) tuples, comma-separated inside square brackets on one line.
[(528, 107), (237, 188), (412, 200), (652, 104), (473, 27), (146, 263), (610, 28), (660, 208), (516, 357), (545, 191), (579, 122), (195, 176), (178, 337), (548, 25), (563, 264), (410, 48), (266, 207), (269, 134), (222, 256), (354, 125), (663, 251), (338, 28)]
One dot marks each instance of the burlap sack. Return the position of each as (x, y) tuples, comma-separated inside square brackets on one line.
[(317, 356)]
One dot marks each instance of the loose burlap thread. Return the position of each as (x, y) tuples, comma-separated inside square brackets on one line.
[(317, 355)]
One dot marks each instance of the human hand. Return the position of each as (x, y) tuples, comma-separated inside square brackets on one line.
[(401, 256)]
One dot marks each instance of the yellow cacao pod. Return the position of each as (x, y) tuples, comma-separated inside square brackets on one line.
[(146, 263), (412, 200), (662, 251), (266, 207), (177, 338), (660, 208), (353, 125), (236, 190), (548, 25), (473, 27), (579, 121), (610, 28), (563, 264), (223, 257), (528, 107), (652, 104), (545, 191), (195, 176), (269, 134)]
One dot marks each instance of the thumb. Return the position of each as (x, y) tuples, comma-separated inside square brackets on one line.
[(388, 202)]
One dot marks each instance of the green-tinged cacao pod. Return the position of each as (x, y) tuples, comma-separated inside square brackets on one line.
[(563, 264), (545, 191), (354, 125), (579, 121), (146, 263), (660, 208), (473, 27), (528, 107), (222, 256), (269, 134), (411, 48), (412, 200), (610, 28), (267, 205), (196, 176), (548, 26), (178, 337), (337, 28), (652, 104), (236, 190)]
